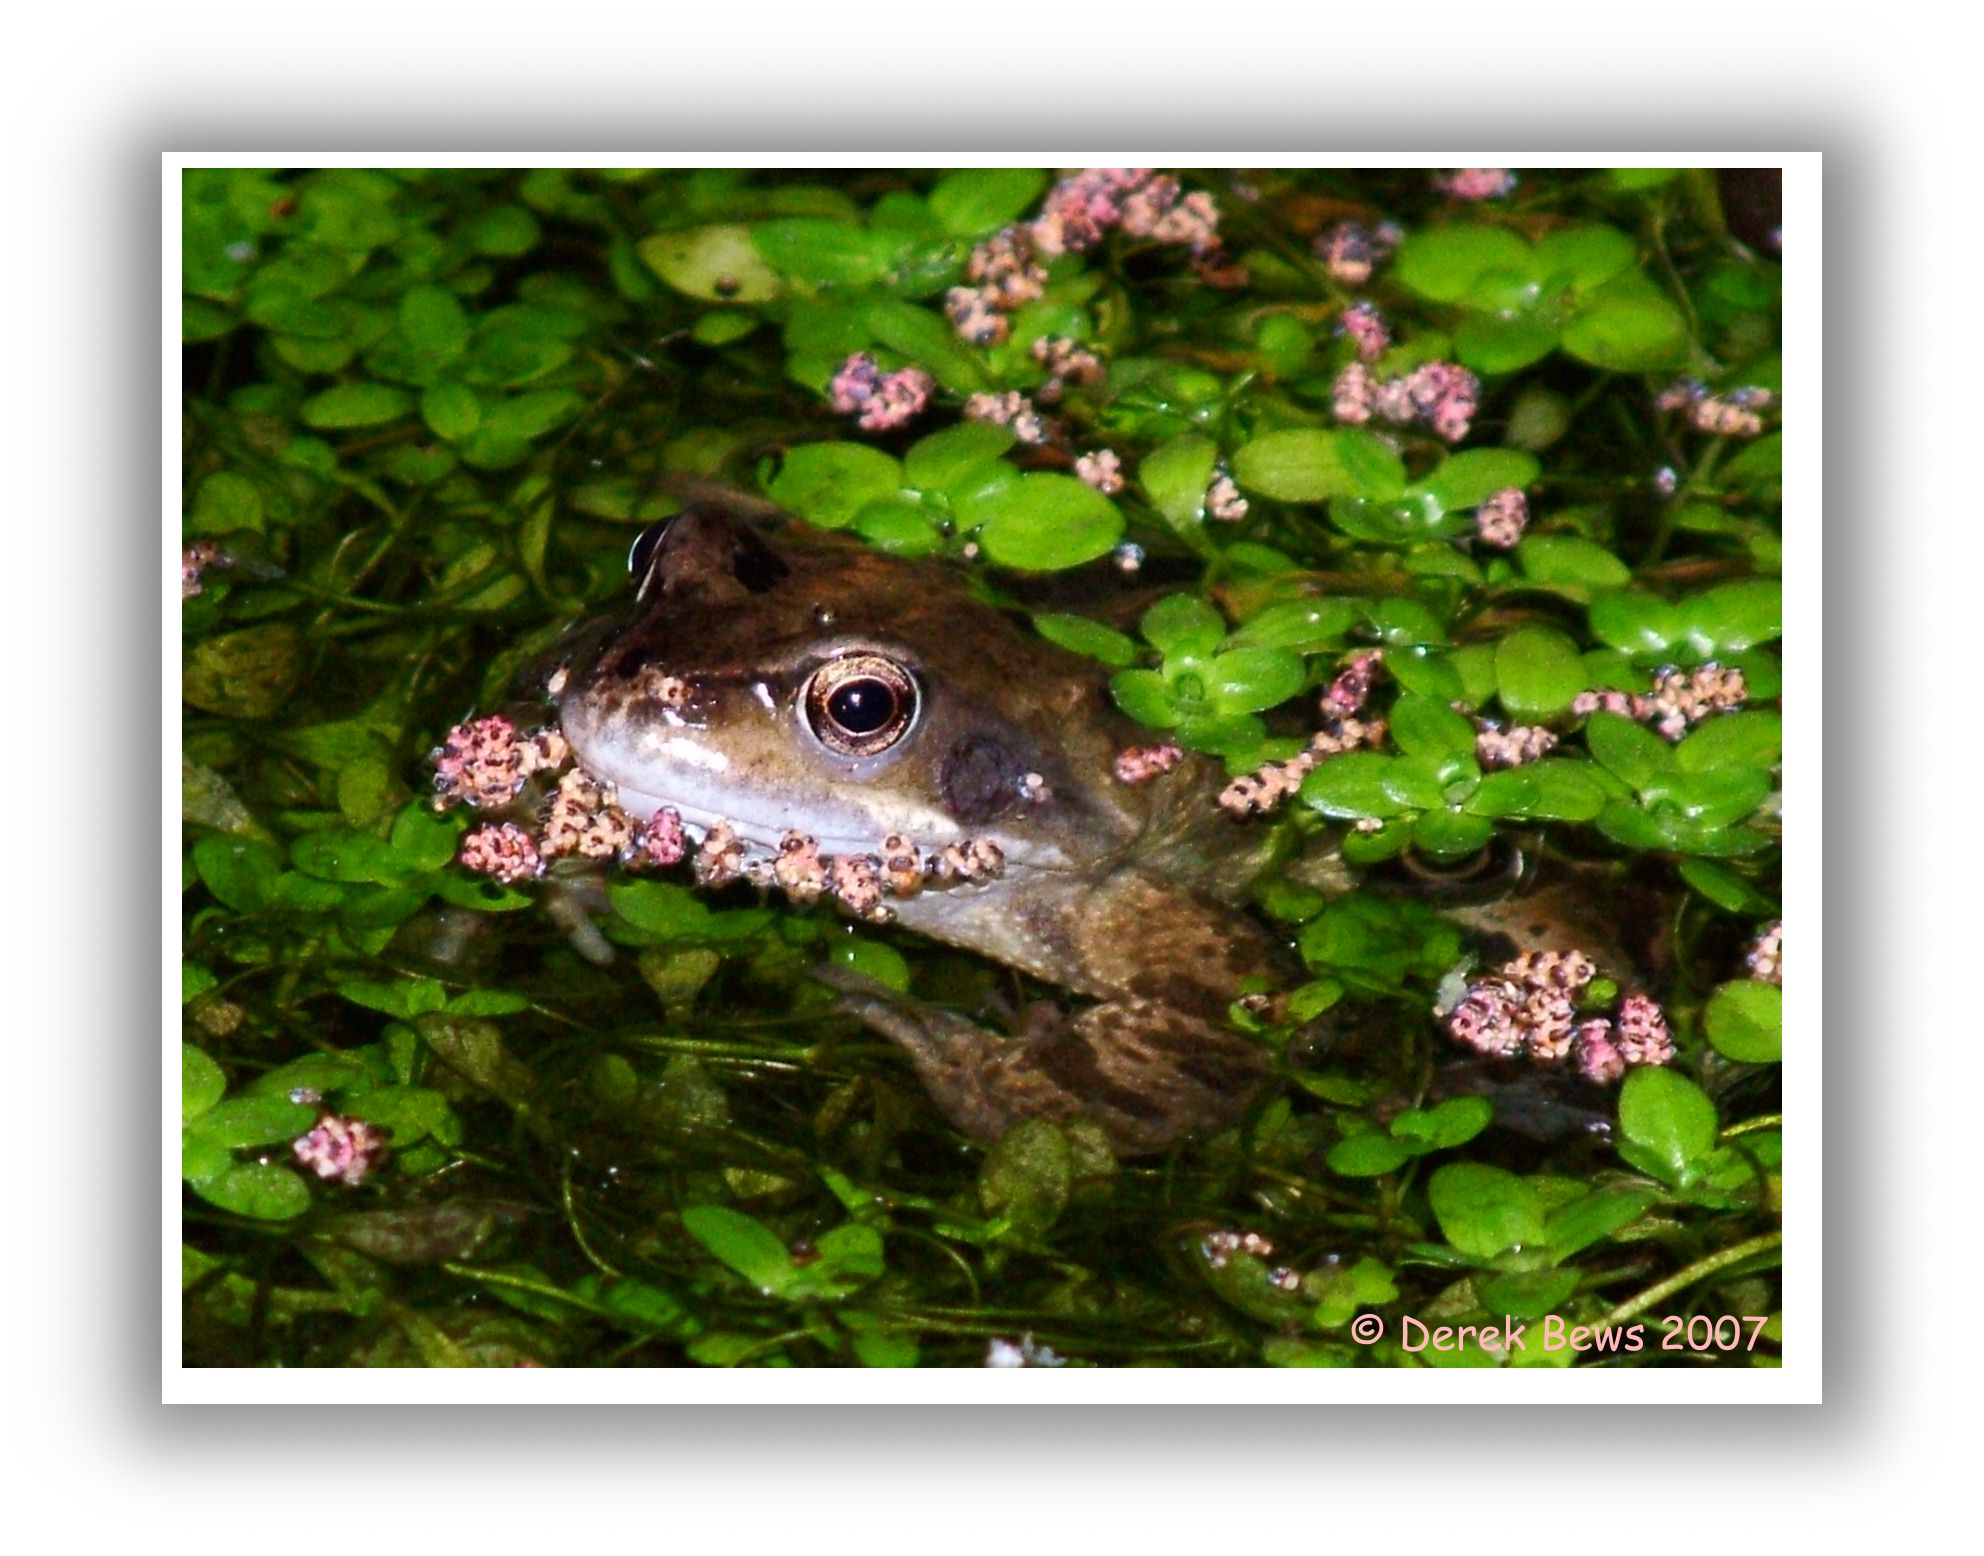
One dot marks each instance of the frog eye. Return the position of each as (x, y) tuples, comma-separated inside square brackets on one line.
[(859, 704)]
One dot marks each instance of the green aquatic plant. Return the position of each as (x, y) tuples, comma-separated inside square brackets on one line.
[(1518, 481)]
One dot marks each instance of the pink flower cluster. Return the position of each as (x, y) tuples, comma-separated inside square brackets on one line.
[(1006, 272), (1731, 414), (1140, 764), (1367, 330), (1102, 470), (194, 561), (1223, 500), (1501, 518), (346, 1149), (1442, 395), (483, 763), (1680, 699), (1144, 203), (1011, 409), (1352, 251), (1495, 746), (1765, 958), (1066, 363), (1529, 1009), (881, 400), (1269, 786), (1475, 183)]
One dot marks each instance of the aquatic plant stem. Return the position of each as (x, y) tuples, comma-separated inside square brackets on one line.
[(1680, 1280)]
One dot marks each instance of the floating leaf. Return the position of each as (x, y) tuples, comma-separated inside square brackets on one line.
[(1745, 1021), (1048, 522), (1485, 1210)]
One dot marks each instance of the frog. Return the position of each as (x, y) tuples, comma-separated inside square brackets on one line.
[(791, 693)]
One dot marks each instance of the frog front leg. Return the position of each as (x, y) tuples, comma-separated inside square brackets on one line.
[(1149, 1074)]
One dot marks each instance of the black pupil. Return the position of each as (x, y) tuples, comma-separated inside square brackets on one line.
[(862, 706)]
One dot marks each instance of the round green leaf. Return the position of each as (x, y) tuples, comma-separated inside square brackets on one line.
[(1466, 479), (716, 264), (743, 1243), (1049, 522), (828, 483), (1491, 344), (1351, 786), (1445, 263), (1669, 1117), (1745, 1021), (1415, 781), (1445, 1125), (451, 410), (1400, 623), (1375, 471), (1451, 834), (1563, 791), (268, 1193), (1429, 675), (249, 1121), (1181, 625), (1511, 792), (1082, 636), (1419, 725), (1484, 1210), (823, 252), (1407, 521), (1734, 616), (1628, 327), (1583, 258), (1641, 625), (201, 1083), (435, 324), (1367, 1156), (1572, 561), (1538, 671), (355, 405), (900, 525), (1248, 680), (1636, 755), (1300, 464), (955, 456), (225, 501), (1718, 796), (975, 201), (1175, 477), (1145, 696), (1305, 626), (529, 415)]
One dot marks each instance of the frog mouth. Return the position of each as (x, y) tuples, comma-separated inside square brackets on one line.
[(705, 796)]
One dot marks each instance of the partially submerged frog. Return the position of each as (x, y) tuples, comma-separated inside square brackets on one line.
[(792, 694)]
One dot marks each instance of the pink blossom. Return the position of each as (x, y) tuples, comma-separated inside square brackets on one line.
[(1475, 183), (1367, 330), (346, 1149), (1502, 517), (1102, 470), (1598, 1060), (1643, 1034), (506, 852), (660, 841), (1140, 764)]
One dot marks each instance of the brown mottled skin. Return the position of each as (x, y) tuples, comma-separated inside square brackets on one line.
[(1125, 895)]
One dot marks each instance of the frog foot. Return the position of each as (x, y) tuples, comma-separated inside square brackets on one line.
[(1149, 1075)]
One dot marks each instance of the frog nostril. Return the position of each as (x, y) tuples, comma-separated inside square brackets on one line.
[(859, 704)]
